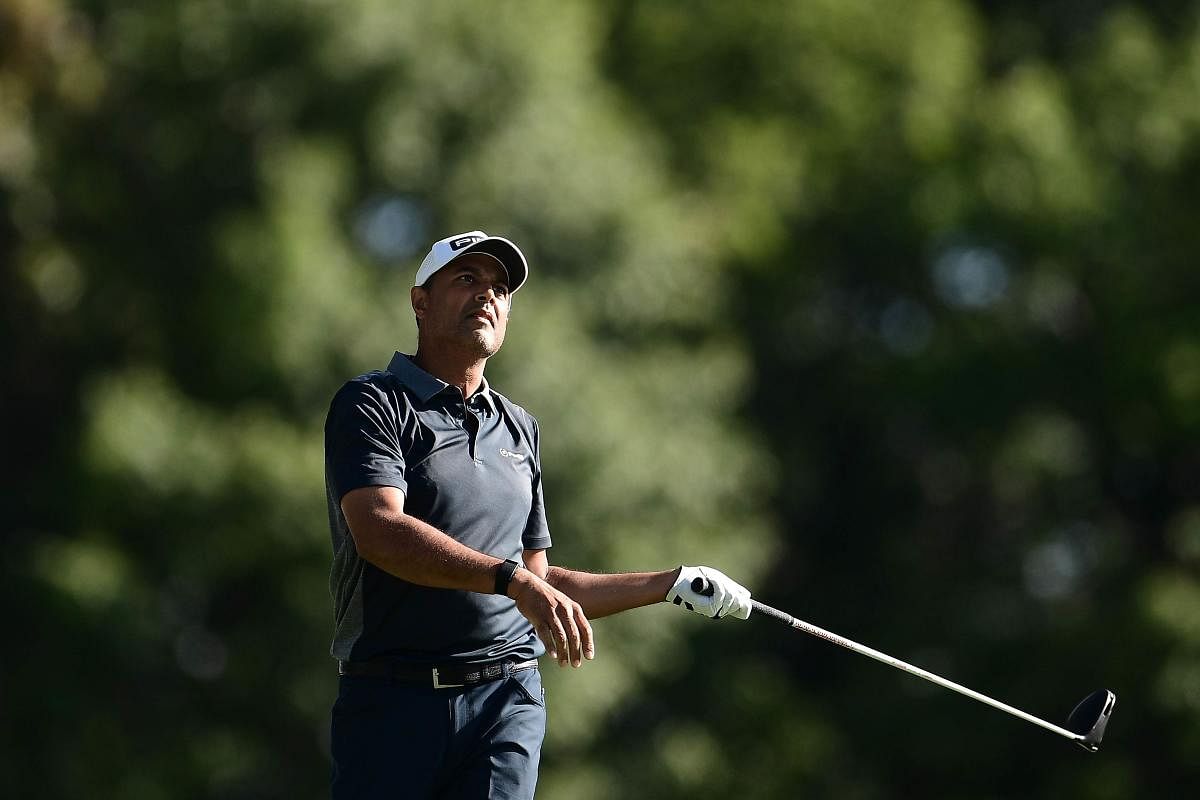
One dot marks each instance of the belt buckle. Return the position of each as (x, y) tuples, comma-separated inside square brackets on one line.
[(437, 684)]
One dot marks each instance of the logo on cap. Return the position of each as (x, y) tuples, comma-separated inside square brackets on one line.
[(463, 241)]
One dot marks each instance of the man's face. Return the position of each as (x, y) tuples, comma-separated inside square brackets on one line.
[(465, 303)]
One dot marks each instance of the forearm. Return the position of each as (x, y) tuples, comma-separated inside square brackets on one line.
[(417, 552), (602, 595)]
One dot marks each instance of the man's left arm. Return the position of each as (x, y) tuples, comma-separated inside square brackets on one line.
[(603, 594)]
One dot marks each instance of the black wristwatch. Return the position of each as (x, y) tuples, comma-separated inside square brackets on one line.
[(504, 573)]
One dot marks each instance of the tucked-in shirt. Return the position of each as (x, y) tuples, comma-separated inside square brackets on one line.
[(467, 466)]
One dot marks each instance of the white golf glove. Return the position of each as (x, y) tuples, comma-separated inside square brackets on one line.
[(728, 598)]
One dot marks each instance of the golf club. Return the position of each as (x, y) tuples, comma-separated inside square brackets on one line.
[(1085, 725)]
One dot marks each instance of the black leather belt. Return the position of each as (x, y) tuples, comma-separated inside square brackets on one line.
[(443, 677)]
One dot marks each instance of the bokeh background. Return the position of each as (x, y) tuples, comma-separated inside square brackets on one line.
[(890, 310)]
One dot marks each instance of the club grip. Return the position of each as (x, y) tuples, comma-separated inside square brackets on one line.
[(703, 587)]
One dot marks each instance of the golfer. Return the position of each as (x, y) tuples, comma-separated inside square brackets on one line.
[(443, 593)]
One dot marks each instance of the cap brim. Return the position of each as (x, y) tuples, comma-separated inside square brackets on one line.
[(507, 253)]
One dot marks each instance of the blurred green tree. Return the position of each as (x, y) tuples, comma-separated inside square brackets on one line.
[(887, 310), (216, 223)]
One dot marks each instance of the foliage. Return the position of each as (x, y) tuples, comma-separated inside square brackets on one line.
[(886, 309)]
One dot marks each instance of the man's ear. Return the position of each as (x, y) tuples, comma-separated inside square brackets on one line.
[(420, 300)]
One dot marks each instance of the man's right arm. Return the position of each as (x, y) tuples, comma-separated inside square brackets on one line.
[(410, 549), (419, 553)]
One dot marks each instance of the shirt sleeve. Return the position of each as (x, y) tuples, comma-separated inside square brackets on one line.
[(362, 440), (537, 531)]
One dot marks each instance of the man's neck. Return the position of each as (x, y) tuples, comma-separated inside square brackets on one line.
[(465, 372)]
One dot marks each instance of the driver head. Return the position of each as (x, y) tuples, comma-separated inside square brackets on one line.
[(1090, 718)]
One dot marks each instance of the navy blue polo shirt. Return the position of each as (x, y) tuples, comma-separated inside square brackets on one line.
[(469, 468)]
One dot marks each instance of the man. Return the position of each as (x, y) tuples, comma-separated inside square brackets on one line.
[(444, 596)]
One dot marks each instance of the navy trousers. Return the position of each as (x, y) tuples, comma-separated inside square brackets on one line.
[(399, 740)]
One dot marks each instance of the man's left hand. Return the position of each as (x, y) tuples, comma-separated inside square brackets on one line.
[(727, 599)]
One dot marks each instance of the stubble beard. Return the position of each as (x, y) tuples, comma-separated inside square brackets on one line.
[(482, 343), (471, 340)]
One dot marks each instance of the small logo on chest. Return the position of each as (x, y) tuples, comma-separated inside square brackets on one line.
[(512, 455)]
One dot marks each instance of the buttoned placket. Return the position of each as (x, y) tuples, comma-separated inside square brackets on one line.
[(469, 420), (478, 408), (473, 426)]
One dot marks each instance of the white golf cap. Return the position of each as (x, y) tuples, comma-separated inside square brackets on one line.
[(452, 247)]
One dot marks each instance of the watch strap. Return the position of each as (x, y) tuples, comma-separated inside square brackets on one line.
[(504, 573)]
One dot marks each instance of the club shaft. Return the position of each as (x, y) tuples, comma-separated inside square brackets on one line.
[(841, 641)]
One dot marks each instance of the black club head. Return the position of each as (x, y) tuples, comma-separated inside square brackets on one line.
[(1090, 718)]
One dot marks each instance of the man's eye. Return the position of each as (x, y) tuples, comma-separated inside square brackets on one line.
[(501, 291)]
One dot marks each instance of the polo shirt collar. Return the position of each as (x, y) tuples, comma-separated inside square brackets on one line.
[(485, 396), (427, 386)]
